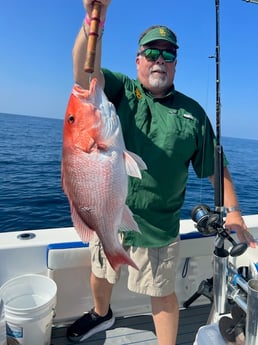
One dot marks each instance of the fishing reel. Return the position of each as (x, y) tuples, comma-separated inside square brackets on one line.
[(208, 223)]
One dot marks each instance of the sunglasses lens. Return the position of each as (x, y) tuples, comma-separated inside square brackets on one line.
[(153, 55), (168, 56)]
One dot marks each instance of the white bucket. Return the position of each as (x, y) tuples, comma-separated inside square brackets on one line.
[(29, 302), (209, 334)]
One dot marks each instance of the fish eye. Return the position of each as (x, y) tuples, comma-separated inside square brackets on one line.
[(71, 119)]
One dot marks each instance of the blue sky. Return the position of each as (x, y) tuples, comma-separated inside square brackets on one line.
[(36, 40)]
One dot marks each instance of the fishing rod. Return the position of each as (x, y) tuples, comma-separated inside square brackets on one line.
[(211, 222), (252, 1), (219, 172), (227, 282)]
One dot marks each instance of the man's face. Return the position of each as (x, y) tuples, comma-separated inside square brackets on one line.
[(156, 76)]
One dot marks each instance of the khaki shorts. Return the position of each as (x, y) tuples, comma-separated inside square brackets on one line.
[(157, 268)]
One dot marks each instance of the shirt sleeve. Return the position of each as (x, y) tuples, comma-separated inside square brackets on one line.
[(114, 85)]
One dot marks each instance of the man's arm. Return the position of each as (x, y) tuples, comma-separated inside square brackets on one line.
[(234, 220), (80, 47)]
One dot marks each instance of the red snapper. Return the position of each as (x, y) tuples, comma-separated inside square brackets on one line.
[(95, 169)]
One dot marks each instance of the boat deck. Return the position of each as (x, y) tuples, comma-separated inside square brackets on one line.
[(140, 329)]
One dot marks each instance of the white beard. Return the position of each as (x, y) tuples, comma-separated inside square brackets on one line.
[(158, 80)]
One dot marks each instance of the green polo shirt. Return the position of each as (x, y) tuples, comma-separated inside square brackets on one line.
[(167, 134)]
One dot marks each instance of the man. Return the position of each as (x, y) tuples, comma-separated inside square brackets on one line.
[(169, 131)]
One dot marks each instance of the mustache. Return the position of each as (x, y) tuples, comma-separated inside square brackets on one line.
[(158, 68)]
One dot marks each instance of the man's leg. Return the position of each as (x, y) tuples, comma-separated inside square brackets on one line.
[(101, 291), (165, 312), (156, 278), (100, 317)]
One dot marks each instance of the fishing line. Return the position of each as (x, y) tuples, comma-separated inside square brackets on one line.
[(202, 182)]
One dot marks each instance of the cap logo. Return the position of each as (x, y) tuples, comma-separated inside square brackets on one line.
[(162, 32)]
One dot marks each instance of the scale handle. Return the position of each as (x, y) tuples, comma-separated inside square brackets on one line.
[(93, 37)]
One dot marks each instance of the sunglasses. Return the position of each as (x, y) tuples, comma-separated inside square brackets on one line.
[(152, 54)]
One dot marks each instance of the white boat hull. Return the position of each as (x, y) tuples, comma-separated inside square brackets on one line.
[(70, 267)]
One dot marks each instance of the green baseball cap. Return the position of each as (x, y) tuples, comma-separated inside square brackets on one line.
[(158, 33)]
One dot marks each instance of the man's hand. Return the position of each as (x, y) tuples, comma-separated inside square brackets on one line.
[(234, 221), (89, 3)]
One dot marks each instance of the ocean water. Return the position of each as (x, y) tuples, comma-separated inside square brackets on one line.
[(31, 196)]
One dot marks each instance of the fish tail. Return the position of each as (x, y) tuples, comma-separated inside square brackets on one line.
[(118, 258)]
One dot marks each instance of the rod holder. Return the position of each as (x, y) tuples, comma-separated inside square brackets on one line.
[(252, 313), (220, 282)]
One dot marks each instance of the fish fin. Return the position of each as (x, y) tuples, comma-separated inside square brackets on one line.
[(133, 164), (141, 164), (83, 230), (118, 258), (128, 223)]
